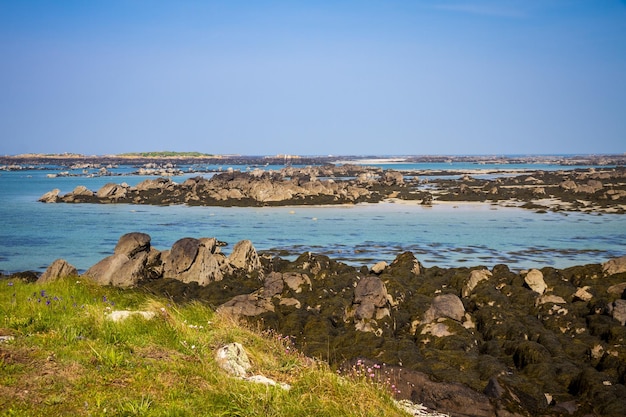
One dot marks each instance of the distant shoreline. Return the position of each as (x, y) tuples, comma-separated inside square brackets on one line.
[(194, 157)]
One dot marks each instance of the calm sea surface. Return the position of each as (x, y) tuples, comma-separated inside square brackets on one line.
[(33, 234)]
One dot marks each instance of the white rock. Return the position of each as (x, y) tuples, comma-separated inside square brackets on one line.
[(233, 359), (119, 315), (534, 279)]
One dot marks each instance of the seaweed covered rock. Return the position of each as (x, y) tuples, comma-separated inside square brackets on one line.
[(546, 342)]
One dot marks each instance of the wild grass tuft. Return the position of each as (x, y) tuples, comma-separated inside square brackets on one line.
[(67, 358)]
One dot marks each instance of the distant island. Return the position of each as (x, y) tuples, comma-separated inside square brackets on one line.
[(166, 154), (285, 159)]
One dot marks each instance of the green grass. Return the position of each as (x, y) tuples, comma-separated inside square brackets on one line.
[(66, 358)]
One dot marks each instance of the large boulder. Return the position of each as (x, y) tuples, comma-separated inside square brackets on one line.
[(245, 257), (195, 260), (445, 306), (50, 196), (133, 260), (58, 269), (112, 191), (614, 266), (132, 243)]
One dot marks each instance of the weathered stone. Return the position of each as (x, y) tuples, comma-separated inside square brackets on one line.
[(436, 329), (379, 267), (475, 277), (296, 281), (290, 302), (493, 388), (534, 280), (50, 196), (58, 269), (391, 177), (273, 284), (617, 288), (119, 270), (445, 306), (83, 191), (549, 298), (617, 310), (583, 294), (182, 255), (112, 191), (370, 290), (614, 266), (248, 305), (260, 379), (132, 243), (119, 315), (233, 359), (245, 257)]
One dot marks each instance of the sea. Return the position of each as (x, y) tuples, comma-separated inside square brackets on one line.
[(34, 234)]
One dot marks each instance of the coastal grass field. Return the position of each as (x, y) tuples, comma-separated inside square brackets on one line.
[(60, 355)]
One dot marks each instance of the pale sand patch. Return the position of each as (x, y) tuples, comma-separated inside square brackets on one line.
[(448, 204)]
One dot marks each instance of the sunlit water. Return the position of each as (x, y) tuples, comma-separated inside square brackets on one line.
[(33, 234)]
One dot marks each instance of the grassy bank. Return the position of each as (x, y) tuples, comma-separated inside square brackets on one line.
[(64, 357)]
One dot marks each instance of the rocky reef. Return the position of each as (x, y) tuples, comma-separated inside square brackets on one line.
[(589, 190), (468, 341)]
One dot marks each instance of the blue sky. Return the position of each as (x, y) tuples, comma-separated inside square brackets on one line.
[(321, 77)]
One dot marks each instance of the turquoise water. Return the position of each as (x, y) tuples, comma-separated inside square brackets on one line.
[(33, 234)]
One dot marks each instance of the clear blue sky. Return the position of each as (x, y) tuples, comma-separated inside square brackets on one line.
[(337, 77)]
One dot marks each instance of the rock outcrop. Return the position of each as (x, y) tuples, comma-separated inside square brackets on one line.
[(58, 269), (195, 260), (133, 260), (542, 342)]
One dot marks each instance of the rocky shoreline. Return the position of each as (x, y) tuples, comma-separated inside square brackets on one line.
[(593, 190), (468, 341)]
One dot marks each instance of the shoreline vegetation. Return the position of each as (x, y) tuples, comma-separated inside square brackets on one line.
[(66, 349)]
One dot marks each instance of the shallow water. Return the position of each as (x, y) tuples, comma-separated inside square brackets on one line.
[(33, 234)]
